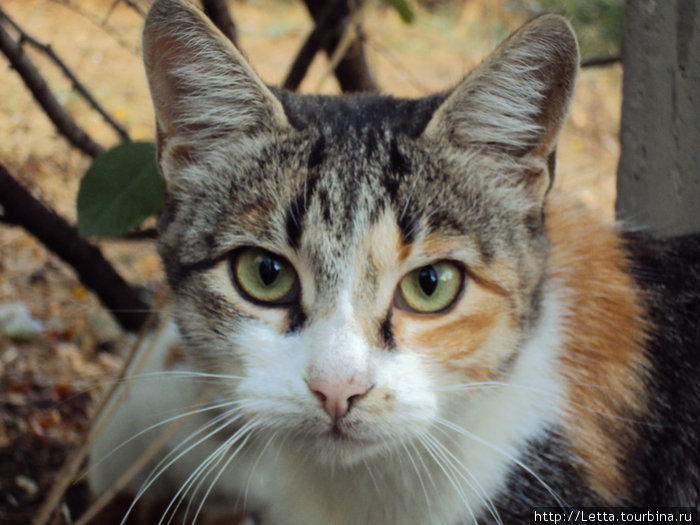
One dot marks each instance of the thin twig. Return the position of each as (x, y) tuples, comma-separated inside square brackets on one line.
[(138, 464), (66, 475), (77, 85), (147, 234), (114, 5), (42, 94), (133, 5), (6, 220), (109, 12), (323, 31), (601, 61), (134, 50), (405, 72)]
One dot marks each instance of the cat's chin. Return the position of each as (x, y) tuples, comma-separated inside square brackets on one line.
[(334, 447)]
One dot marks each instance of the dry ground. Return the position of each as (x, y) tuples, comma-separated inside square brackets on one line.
[(41, 408)]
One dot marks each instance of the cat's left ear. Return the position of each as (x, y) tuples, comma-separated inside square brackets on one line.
[(517, 100), (203, 90)]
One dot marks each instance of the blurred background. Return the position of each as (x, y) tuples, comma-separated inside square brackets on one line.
[(49, 369)]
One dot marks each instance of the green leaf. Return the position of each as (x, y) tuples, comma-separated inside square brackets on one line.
[(404, 10), (120, 189)]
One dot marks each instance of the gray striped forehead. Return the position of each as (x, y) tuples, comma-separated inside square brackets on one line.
[(360, 154), (360, 162), (320, 187), (351, 178)]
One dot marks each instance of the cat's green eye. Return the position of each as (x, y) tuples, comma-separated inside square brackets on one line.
[(431, 288), (264, 277)]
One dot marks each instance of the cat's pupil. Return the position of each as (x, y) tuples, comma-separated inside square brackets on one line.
[(428, 280), (269, 269)]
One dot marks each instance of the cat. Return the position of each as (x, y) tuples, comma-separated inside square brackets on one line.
[(403, 322)]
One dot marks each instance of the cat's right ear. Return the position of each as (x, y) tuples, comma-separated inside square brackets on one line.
[(204, 91)]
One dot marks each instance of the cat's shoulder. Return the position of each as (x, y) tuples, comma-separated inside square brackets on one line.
[(666, 264), (667, 273)]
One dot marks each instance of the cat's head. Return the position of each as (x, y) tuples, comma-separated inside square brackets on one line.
[(350, 257)]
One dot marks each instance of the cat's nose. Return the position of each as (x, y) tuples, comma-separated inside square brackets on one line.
[(337, 398)]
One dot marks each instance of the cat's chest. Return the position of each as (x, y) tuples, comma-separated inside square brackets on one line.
[(397, 491)]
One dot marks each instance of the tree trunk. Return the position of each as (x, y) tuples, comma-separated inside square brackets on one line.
[(658, 185)]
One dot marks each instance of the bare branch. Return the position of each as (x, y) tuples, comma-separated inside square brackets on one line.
[(42, 94), (324, 30), (6, 220), (352, 72), (146, 234), (114, 5), (109, 12), (77, 85), (601, 61), (218, 12), (93, 270), (134, 50), (351, 36)]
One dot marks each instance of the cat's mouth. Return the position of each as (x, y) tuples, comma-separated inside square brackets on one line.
[(344, 437), (338, 443), (337, 434)]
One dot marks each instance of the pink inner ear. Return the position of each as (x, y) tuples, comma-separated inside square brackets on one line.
[(157, 58)]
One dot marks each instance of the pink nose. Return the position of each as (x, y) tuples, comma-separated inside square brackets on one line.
[(337, 398)]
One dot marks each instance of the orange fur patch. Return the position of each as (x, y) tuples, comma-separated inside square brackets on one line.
[(469, 337), (466, 339), (404, 250), (460, 336), (603, 358)]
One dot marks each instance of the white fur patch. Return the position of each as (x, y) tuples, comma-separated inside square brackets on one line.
[(482, 435)]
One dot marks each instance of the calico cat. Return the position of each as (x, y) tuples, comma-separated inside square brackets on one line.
[(403, 322)]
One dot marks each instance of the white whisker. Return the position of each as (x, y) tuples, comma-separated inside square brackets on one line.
[(420, 479), (515, 460), (248, 429), (545, 400), (153, 427), (149, 481), (252, 469), (371, 475), (213, 457), (478, 489), (452, 462), (429, 448)]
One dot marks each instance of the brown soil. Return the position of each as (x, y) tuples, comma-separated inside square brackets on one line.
[(47, 385)]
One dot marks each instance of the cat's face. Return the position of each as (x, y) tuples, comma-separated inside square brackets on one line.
[(346, 261)]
